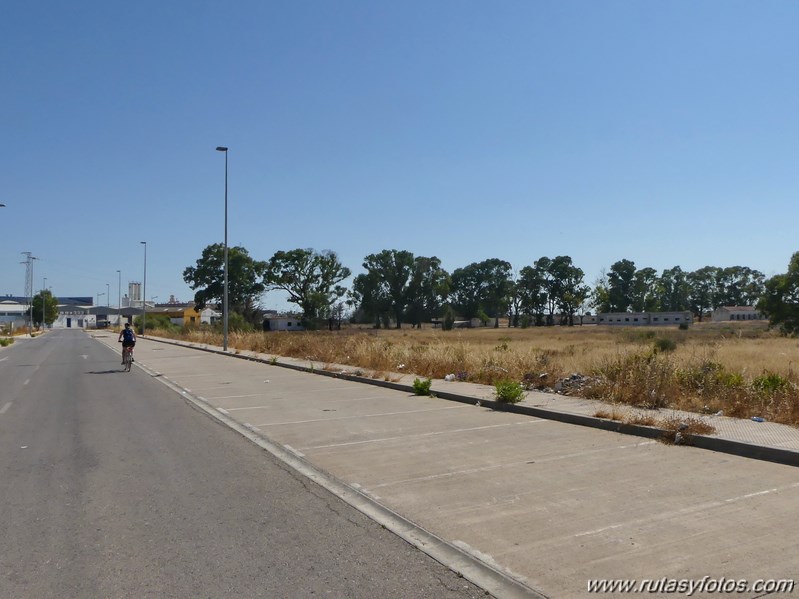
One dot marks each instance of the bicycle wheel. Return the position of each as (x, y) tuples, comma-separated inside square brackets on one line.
[(128, 360)]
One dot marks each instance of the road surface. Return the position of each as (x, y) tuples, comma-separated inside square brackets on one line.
[(113, 486)]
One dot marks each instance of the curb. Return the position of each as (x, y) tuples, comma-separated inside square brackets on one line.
[(776, 455)]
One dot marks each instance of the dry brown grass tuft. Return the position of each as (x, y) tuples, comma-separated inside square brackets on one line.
[(680, 430), (642, 420), (612, 414)]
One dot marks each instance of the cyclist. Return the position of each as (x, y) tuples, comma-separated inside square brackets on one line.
[(128, 339)]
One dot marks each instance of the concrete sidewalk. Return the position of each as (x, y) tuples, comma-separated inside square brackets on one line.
[(546, 505), (748, 438)]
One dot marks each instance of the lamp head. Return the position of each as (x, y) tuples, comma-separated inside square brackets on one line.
[(221, 149)]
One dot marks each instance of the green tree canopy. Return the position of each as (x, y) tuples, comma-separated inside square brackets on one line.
[(567, 287), (674, 290), (369, 298), (44, 303), (738, 286), (644, 290), (207, 279), (427, 290), (391, 271), (702, 289), (532, 290), (482, 286), (401, 286), (552, 284), (310, 279), (621, 285), (780, 302)]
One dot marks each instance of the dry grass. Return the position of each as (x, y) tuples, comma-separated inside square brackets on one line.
[(642, 420), (678, 430), (712, 366)]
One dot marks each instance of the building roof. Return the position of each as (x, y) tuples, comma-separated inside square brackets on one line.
[(80, 301), (737, 308)]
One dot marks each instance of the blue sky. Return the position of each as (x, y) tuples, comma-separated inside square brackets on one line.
[(666, 133)]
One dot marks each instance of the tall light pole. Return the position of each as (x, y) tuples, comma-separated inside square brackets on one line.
[(119, 299), (144, 291), (44, 287), (28, 288), (30, 322), (224, 300), (107, 295)]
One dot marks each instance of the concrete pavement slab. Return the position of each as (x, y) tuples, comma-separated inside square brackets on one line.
[(551, 504)]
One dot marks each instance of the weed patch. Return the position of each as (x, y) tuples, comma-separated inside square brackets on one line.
[(422, 387), (508, 391)]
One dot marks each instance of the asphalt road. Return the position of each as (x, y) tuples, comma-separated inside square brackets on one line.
[(112, 486)]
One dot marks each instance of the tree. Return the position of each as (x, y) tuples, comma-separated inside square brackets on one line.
[(600, 295), (567, 287), (392, 270), (780, 302), (674, 290), (207, 279), (546, 274), (532, 293), (620, 286), (44, 303), (702, 289), (644, 290), (515, 299), (554, 284), (738, 286), (337, 314), (482, 286), (369, 299), (309, 278), (397, 283), (427, 290)]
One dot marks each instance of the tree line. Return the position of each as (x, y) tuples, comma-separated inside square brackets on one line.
[(399, 288)]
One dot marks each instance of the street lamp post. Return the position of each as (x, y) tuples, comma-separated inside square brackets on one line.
[(44, 287), (224, 300), (30, 321), (144, 291), (119, 299), (107, 296)]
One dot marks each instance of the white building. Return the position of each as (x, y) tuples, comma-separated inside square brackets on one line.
[(736, 313), (210, 316), (283, 323), (644, 319), (13, 313), (71, 316)]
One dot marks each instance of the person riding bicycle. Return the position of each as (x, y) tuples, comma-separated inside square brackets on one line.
[(128, 338)]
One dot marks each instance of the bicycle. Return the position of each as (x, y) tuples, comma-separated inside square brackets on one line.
[(127, 357)]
